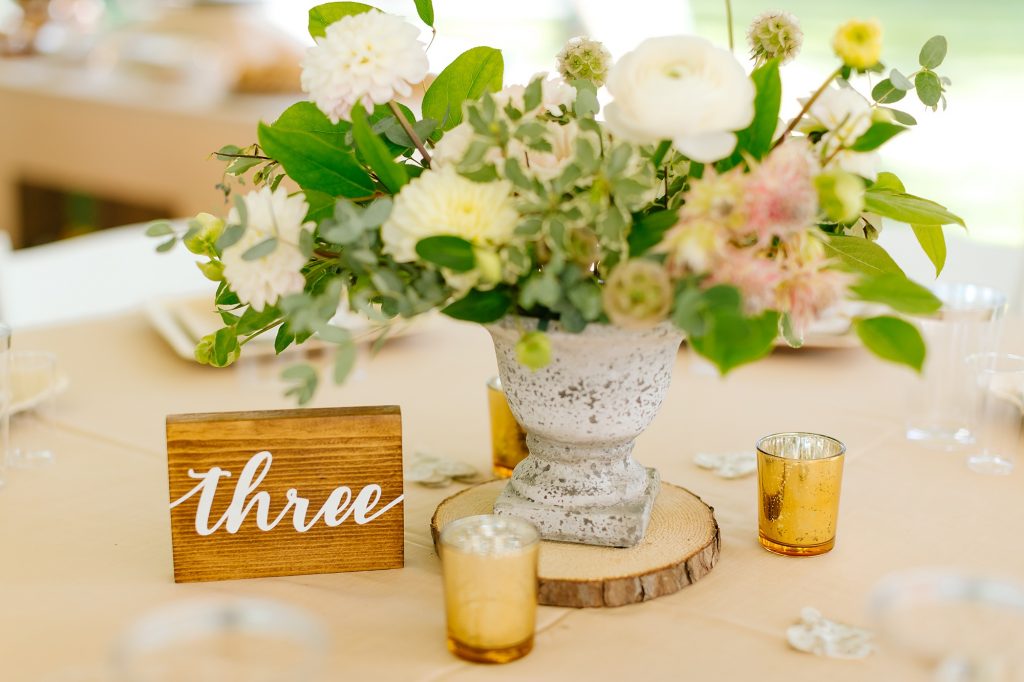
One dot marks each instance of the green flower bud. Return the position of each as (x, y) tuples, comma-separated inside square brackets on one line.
[(534, 350), (210, 229), (488, 264), (638, 294), (775, 35), (584, 59), (213, 270), (204, 350), (841, 195)]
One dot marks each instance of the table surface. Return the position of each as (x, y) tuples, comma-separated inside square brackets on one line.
[(86, 543)]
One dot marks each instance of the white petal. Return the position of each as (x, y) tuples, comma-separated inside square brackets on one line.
[(708, 147)]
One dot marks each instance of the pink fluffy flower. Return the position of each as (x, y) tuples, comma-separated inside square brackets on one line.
[(753, 274), (808, 291), (780, 194)]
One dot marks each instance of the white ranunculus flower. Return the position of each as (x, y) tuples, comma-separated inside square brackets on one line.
[(684, 89), (555, 94), (846, 114), (370, 58), (442, 202), (261, 282)]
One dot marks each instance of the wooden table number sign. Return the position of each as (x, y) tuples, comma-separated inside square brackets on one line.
[(290, 492)]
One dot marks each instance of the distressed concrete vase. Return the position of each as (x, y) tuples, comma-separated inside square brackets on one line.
[(582, 414)]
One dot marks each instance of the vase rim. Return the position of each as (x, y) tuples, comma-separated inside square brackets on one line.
[(593, 329)]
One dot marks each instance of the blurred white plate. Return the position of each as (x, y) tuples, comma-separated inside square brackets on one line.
[(182, 321)]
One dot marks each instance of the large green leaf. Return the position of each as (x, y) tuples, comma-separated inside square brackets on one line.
[(322, 16), (473, 72), (906, 208), (480, 306), (313, 152), (321, 205), (647, 231), (451, 252), (425, 8), (730, 339), (756, 140), (893, 339), (861, 255), (376, 152), (933, 242), (897, 292)]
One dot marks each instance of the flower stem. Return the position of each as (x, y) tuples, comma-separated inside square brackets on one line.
[(410, 132), (807, 106), (728, 21)]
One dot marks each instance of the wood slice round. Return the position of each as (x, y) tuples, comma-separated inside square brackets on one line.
[(680, 548)]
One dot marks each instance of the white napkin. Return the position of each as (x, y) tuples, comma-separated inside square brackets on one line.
[(727, 465)]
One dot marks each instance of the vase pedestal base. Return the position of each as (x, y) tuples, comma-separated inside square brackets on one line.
[(619, 525)]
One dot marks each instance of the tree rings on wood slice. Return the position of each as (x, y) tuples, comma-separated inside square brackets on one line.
[(680, 548)]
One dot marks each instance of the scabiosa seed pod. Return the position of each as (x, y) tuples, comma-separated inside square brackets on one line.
[(584, 59), (775, 35)]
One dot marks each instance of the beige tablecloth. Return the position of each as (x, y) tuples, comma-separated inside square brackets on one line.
[(85, 545)]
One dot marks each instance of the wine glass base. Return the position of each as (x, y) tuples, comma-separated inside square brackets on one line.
[(940, 438)]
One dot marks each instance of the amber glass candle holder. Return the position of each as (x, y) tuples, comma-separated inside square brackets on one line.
[(798, 476), (508, 440), (489, 564)]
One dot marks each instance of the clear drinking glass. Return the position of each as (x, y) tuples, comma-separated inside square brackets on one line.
[(489, 564), (942, 410), (33, 376), (799, 476), (222, 640), (508, 439), (999, 404), (5, 399), (965, 628)]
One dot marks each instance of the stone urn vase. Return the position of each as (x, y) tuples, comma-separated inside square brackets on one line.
[(582, 414)]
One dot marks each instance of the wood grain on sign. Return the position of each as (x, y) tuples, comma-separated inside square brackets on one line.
[(314, 452)]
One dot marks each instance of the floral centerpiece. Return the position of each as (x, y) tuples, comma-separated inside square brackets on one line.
[(589, 242)]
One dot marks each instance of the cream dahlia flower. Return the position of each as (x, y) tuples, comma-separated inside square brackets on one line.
[(370, 58), (262, 281), (442, 202), (684, 89)]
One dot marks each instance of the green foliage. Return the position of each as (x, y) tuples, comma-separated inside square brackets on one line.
[(756, 139), (929, 89), (425, 10), (907, 208), (322, 16), (313, 152), (875, 136), (648, 230), (391, 174), (933, 52), (480, 306), (719, 330), (263, 248), (893, 339), (446, 251), (933, 243), (474, 72), (861, 255), (897, 292), (304, 379)]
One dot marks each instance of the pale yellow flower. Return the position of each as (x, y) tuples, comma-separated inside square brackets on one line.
[(859, 43)]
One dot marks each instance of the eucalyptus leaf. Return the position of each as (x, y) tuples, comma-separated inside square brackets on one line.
[(344, 361), (304, 379), (901, 117), (887, 93), (929, 89), (166, 246), (160, 228), (899, 80), (933, 52), (263, 248)]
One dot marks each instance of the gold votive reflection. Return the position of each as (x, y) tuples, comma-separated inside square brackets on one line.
[(489, 564), (799, 476), (508, 440)]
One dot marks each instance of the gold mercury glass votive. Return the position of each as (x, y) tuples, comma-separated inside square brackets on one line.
[(508, 440), (798, 480), (489, 564)]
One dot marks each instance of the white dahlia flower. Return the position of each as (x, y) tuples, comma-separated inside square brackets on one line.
[(370, 58), (684, 89), (262, 281), (442, 202)]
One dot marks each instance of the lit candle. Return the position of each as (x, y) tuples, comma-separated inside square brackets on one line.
[(490, 587)]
